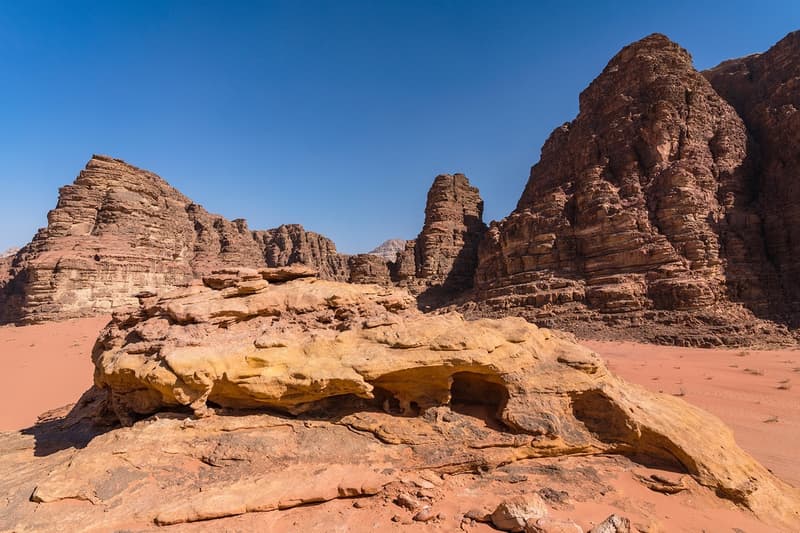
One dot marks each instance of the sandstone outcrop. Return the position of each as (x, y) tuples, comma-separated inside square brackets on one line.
[(369, 268), (291, 243), (441, 261), (640, 211), (119, 230), (308, 345), (403, 421), (765, 90), (389, 249), (242, 471)]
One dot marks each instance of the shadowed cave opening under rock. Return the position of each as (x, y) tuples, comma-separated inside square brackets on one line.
[(482, 396), (479, 395)]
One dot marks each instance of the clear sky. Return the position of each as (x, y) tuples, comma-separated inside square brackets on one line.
[(333, 114)]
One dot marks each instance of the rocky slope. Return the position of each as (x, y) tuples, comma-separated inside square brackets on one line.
[(9, 252), (369, 398), (642, 210), (388, 250), (765, 90), (119, 230)]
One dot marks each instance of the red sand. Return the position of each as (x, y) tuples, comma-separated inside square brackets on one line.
[(44, 366), (757, 393)]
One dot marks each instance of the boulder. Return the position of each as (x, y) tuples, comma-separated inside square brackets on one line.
[(309, 345), (513, 514)]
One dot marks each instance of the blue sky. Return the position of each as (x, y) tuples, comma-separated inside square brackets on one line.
[(333, 114)]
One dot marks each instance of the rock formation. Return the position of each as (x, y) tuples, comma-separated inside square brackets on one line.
[(369, 268), (290, 243), (361, 355), (640, 211), (119, 230), (765, 90), (6, 258), (441, 261), (388, 250), (422, 418)]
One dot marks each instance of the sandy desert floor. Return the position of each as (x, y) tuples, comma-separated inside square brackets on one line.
[(757, 393), (44, 366)]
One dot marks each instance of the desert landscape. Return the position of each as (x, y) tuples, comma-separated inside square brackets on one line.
[(617, 354)]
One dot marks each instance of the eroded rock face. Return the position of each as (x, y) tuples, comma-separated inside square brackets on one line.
[(119, 230), (291, 243), (765, 90), (447, 246), (246, 340), (369, 268), (640, 210), (441, 261)]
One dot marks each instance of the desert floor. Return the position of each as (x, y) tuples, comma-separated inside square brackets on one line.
[(44, 366), (757, 393)]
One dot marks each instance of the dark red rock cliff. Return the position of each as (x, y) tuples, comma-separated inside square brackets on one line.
[(119, 230), (641, 210)]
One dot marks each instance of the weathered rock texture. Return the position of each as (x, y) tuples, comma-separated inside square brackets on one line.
[(247, 340), (765, 90), (388, 250), (442, 259), (640, 211), (6, 258), (119, 230), (369, 268), (361, 471), (291, 243)]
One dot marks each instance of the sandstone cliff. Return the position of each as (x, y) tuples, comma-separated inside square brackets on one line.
[(765, 90), (640, 211), (290, 244), (369, 268), (119, 230), (441, 261)]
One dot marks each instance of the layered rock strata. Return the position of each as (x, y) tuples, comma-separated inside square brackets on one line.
[(257, 339), (441, 261), (119, 230), (765, 90), (291, 243), (641, 210), (369, 268)]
